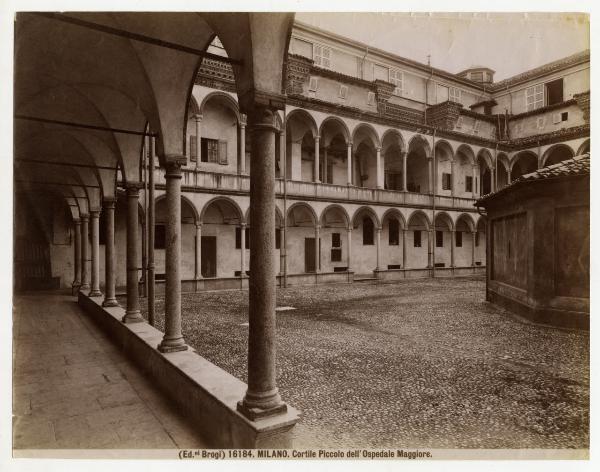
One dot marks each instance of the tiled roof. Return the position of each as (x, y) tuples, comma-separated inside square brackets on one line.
[(579, 165)]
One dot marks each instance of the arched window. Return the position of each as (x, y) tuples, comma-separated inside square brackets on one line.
[(394, 230), (367, 231)]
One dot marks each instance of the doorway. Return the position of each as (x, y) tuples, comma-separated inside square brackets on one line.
[(208, 256)]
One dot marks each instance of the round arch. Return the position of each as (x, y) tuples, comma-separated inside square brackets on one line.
[(445, 217), (299, 206), (303, 115), (557, 153), (416, 215), (523, 163), (225, 201), (467, 219), (419, 141), (225, 99), (466, 151), (486, 156), (394, 213), (334, 207), (185, 201), (392, 133), (365, 210), (278, 217), (585, 147), (369, 132), (337, 122)]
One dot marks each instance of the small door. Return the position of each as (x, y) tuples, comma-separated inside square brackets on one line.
[(208, 255), (309, 254)]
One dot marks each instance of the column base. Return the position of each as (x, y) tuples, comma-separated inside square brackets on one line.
[(172, 345), (84, 287), (255, 413), (133, 317), (109, 302), (95, 293)]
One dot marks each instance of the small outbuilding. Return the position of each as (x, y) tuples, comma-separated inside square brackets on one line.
[(538, 244)]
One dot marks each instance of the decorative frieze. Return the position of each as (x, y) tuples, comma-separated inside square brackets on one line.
[(383, 92), (583, 102), (444, 115), (298, 73)]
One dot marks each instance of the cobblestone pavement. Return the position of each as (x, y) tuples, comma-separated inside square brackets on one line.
[(422, 363), (73, 389)]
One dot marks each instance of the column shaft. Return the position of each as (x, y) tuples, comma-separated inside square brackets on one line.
[(132, 313), (85, 284), (77, 254), (404, 159), (262, 397), (404, 231), (349, 163), (452, 247), (317, 248), (95, 288), (473, 236), (474, 186), (317, 164), (430, 174), (243, 250), (452, 179), (151, 219), (109, 254), (349, 250), (379, 169), (198, 271), (378, 243), (173, 339), (430, 248), (325, 176), (198, 119)]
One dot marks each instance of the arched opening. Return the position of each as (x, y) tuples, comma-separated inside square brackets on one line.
[(219, 247), (585, 147), (392, 150), (301, 131), (302, 248), (523, 163), (365, 156), (465, 180), (480, 242), (502, 167), (417, 241), (556, 154), (484, 162), (334, 139), (444, 157), (417, 166), (463, 252), (392, 235), (442, 239), (364, 245), (188, 239), (334, 237)]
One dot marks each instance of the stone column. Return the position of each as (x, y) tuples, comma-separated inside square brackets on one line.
[(378, 243), (198, 119), (349, 162), (243, 249), (262, 397), (173, 339), (325, 165), (198, 271), (452, 247), (452, 178), (242, 158), (349, 251), (317, 248), (430, 174), (404, 156), (379, 168), (85, 284), (404, 231), (95, 288), (282, 150), (474, 187), (151, 228), (109, 254), (132, 313), (77, 254), (316, 170), (473, 236), (430, 247)]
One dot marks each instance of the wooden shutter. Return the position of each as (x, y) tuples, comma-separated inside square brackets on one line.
[(193, 155), (223, 152)]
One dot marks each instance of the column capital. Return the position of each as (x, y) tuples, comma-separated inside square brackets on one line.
[(243, 120), (94, 213), (263, 117), (84, 217), (198, 117), (378, 148), (378, 229), (317, 227), (76, 221), (177, 159), (133, 191), (173, 169), (317, 138), (242, 225), (350, 228), (199, 225), (349, 144), (109, 202)]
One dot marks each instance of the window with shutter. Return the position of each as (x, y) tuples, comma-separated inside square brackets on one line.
[(322, 56), (534, 97), (439, 239), (397, 78), (469, 183), (446, 181), (393, 232), (454, 94), (210, 150), (223, 152), (193, 155)]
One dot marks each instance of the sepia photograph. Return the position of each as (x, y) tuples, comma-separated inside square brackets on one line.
[(258, 235)]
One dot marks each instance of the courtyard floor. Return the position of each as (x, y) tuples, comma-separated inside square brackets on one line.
[(423, 363)]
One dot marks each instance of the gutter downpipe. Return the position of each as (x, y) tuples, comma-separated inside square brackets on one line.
[(434, 181)]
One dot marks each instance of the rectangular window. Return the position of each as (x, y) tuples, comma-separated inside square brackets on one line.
[(564, 116), (446, 181), (394, 232), (247, 238), (459, 239), (439, 239), (417, 238), (397, 78), (476, 126), (477, 76), (322, 56), (277, 238), (454, 94), (468, 183), (193, 155), (534, 97), (159, 236), (554, 92), (381, 73), (313, 84), (336, 240), (368, 229), (336, 247), (210, 150)]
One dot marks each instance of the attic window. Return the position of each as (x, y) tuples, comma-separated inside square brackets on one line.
[(554, 91), (477, 76), (322, 56)]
